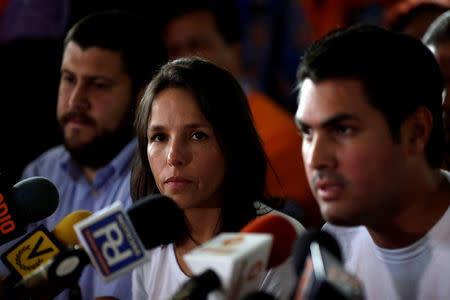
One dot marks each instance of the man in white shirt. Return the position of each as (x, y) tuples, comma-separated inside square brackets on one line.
[(370, 112)]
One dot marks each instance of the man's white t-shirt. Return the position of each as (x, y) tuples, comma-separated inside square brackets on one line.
[(418, 271)]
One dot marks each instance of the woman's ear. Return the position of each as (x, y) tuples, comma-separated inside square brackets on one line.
[(416, 130)]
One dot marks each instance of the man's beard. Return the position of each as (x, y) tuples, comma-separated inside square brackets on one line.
[(105, 147), (102, 149)]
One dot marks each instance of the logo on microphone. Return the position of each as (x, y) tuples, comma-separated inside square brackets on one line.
[(6, 223), (110, 241), (31, 252)]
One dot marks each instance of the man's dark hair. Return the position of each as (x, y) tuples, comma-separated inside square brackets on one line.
[(224, 104), (225, 12), (398, 72), (142, 49)]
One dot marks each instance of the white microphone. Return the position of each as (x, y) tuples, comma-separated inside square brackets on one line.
[(241, 260)]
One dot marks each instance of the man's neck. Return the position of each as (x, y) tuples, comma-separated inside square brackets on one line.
[(90, 173), (425, 204)]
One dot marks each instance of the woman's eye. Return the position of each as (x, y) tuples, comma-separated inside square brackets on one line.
[(199, 135), (157, 137), (67, 78)]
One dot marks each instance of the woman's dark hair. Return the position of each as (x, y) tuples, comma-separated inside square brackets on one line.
[(224, 104)]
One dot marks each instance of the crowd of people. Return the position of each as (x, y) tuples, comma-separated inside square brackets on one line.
[(147, 108)]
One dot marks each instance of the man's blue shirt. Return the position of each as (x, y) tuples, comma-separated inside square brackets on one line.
[(111, 184)]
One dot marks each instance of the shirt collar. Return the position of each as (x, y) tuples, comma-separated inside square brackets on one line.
[(115, 167)]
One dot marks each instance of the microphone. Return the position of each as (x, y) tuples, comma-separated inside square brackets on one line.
[(54, 261), (40, 245), (28, 201), (61, 271), (198, 286), (114, 238), (161, 212), (240, 260), (64, 231), (317, 258), (283, 233), (259, 295)]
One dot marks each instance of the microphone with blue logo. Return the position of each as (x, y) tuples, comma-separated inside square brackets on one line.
[(115, 239)]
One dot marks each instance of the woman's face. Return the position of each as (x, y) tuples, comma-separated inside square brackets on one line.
[(185, 158)]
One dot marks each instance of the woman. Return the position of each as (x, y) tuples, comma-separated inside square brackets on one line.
[(198, 146)]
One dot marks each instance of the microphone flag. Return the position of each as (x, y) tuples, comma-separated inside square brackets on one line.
[(111, 241)]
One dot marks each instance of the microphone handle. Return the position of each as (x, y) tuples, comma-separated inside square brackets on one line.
[(75, 292)]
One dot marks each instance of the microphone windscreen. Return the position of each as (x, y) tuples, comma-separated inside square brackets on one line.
[(157, 220), (301, 249), (198, 286), (64, 231), (283, 232), (35, 198), (259, 295)]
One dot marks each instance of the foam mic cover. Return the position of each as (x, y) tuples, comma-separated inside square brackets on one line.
[(157, 220), (301, 249), (259, 295), (283, 232), (35, 198), (64, 231), (198, 286), (28, 201)]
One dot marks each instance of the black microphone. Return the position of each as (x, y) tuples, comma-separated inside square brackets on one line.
[(61, 271), (157, 220), (28, 201), (32, 257), (317, 258), (259, 295), (199, 286)]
